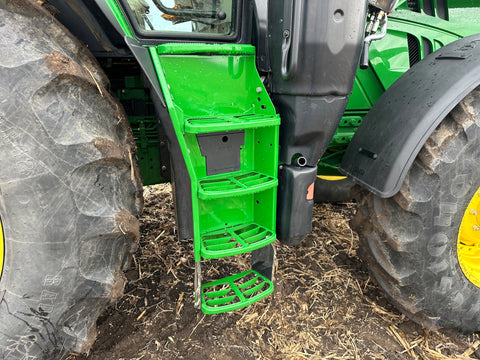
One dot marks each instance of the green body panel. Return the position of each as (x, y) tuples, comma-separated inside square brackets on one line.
[(199, 49), (391, 57), (120, 16)]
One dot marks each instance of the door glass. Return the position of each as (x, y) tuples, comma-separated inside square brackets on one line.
[(188, 16)]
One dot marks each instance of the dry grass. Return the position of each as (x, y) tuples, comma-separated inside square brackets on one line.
[(325, 305)]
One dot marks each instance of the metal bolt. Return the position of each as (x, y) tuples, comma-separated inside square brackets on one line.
[(286, 34), (164, 168), (476, 228), (162, 143), (473, 212), (259, 89)]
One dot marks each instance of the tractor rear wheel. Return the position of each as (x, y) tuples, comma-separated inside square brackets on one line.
[(423, 245), (69, 188)]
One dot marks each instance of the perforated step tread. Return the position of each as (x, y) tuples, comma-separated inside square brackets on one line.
[(235, 240), (235, 292), (218, 123), (235, 184)]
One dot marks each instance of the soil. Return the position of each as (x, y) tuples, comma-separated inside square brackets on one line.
[(325, 305)]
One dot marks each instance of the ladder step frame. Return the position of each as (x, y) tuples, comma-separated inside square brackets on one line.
[(242, 292), (182, 127)]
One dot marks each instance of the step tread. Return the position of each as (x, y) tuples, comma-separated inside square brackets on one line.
[(234, 184), (235, 240), (234, 292), (218, 123)]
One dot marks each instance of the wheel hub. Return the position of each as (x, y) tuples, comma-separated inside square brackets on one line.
[(468, 242)]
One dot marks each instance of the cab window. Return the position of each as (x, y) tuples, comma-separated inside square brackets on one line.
[(207, 17)]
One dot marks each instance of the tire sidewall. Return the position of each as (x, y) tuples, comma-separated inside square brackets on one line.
[(434, 280), (446, 286)]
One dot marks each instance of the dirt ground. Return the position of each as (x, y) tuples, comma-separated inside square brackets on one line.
[(325, 306)]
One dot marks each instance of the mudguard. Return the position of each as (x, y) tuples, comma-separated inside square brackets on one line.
[(395, 129)]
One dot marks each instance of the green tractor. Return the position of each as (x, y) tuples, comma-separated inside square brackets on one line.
[(242, 105)]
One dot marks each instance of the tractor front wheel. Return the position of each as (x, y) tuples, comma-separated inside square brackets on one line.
[(69, 188)]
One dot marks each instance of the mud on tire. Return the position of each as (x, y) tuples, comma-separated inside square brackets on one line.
[(410, 240), (69, 188)]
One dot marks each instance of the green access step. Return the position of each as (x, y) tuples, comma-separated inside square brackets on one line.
[(235, 292), (218, 123), (234, 184), (235, 240)]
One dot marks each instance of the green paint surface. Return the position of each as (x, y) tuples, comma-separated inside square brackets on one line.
[(391, 56)]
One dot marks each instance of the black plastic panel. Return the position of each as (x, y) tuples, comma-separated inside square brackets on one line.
[(308, 124), (393, 132), (181, 184), (263, 259), (260, 36), (317, 43), (294, 211), (314, 49)]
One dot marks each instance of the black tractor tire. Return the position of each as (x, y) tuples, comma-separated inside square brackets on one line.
[(409, 241), (333, 190), (70, 188)]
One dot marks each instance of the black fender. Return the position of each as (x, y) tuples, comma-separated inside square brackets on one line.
[(395, 129)]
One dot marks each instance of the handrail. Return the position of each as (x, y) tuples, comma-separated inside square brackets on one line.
[(193, 13)]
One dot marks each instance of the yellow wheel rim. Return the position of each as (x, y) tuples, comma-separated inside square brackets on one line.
[(468, 243), (1, 249), (331, 178)]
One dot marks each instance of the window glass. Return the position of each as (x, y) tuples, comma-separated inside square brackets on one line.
[(188, 16)]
